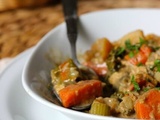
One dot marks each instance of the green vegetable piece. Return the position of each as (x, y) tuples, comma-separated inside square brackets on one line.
[(113, 63), (157, 64), (128, 44), (142, 41), (136, 85), (131, 47), (131, 54), (146, 89), (99, 108), (120, 51), (158, 88), (135, 47)]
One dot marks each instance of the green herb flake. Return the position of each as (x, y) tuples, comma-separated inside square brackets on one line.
[(157, 64), (136, 85), (146, 89), (140, 64), (131, 47), (131, 54), (158, 88), (120, 50), (142, 41), (135, 47), (155, 48)]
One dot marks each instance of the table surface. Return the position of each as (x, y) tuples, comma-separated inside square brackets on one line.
[(22, 28)]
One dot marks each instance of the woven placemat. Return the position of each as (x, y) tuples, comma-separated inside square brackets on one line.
[(14, 4), (22, 28)]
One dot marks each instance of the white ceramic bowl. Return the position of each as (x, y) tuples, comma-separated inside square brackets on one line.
[(112, 24)]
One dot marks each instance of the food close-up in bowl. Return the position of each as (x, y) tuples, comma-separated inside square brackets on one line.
[(123, 57), (128, 73), (79, 59)]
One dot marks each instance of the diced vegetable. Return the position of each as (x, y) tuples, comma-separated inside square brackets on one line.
[(103, 47), (99, 108), (156, 65), (100, 69), (96, 56), (154, 40), (145, 50), (80, 92), (67, 71), (140, 57), (137, 84), (132, 36), (113, 61), (99, 51), (65, 74), (148, 106), (127, 80), (126, 106)]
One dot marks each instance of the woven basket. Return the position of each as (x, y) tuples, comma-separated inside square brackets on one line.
[(13, 4)]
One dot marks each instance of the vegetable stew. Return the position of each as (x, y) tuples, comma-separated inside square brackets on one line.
[(128, 83)]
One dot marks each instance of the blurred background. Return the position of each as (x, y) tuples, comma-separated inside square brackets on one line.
[(24, 22)]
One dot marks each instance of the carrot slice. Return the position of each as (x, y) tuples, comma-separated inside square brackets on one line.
[(141, 57), (100, 69), (132, 60), (146, 50), (76, 94), (148, 107)]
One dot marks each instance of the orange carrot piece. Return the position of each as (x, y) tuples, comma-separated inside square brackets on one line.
[(100, 69), (149, 107), (132, 60), (141, 56), (146, 50), (76, 94)]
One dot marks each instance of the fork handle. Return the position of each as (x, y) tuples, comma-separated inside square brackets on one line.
[(70, 13)]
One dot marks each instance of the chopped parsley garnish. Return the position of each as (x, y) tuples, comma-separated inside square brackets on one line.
[(120, 51), (158, 88), (140, 64), (131, 54), (142, 41), (130, 47), (146, 89), (135, 47), (135, 84), (155, 48), (157, 64)]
